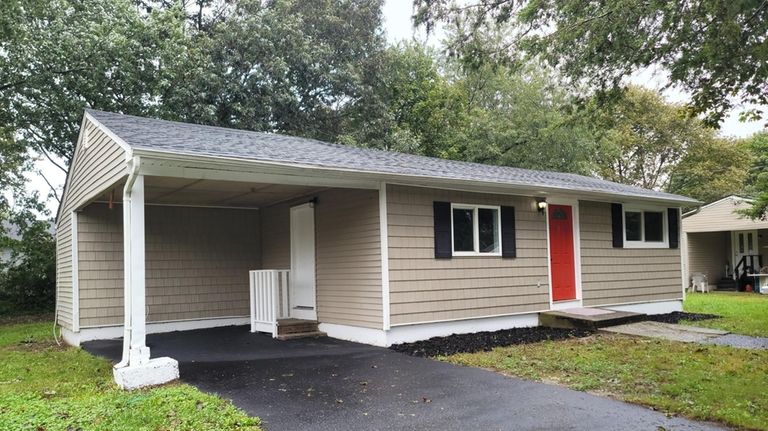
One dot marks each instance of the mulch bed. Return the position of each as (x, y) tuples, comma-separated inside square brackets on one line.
[(485, 341), (677, 316)]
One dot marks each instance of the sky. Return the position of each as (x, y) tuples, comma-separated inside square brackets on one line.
[(398, 27)]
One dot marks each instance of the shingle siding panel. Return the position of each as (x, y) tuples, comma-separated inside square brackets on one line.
[(197, 263), (423, 288), (622, 275), (93, 171)]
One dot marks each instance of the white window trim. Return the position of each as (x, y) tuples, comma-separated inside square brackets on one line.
[(475, 229), (642, 243)]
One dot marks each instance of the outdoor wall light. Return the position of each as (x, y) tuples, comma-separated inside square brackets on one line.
[(541, 204)]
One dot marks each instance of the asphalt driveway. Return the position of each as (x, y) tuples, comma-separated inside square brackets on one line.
[(335, 385)]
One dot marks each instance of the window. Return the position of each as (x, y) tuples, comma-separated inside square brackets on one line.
[(645, 228), (476, 230)]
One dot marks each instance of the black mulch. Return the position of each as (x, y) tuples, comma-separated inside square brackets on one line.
[(677, 316), (485, 341)]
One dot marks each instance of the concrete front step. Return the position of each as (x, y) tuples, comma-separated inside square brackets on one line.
[(587, 318)]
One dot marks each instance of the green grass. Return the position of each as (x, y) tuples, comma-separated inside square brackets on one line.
[(47, 387), (702, 382), (741, 313)]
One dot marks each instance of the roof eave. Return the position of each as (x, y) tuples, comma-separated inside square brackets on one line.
[(524, 189)]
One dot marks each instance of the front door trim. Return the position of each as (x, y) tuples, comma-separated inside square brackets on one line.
[(574, 204), (303, 249)]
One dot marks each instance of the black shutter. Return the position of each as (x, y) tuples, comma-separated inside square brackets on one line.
[(508, 235), (442, 217), (673, 217), (617, 223)]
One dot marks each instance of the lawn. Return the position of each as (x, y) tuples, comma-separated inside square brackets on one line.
[(741, 313), (702, 382), (48, 387)]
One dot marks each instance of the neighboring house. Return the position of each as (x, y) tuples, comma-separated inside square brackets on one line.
[(378, 247), (11, 231), (722, 244)]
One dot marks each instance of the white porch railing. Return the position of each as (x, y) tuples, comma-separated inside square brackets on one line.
[(269, 299)]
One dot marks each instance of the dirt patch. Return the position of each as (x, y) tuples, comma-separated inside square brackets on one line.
[(676, 316), (37, 346), (485, 341)]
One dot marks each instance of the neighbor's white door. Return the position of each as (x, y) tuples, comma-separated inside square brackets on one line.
[(744, 243), (302, 281)]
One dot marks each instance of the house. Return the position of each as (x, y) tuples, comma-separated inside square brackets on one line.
[(167, 226), (722, 244)]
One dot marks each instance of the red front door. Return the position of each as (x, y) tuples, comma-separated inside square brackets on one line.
[(561, 252)]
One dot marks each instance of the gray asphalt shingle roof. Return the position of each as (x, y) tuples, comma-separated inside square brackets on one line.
[(193, 139)]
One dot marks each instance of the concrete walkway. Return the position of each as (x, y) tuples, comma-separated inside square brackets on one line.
[(689, 334), (329, 384)]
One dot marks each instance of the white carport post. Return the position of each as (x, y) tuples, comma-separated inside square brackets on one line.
[(134, 237), (137, 370)]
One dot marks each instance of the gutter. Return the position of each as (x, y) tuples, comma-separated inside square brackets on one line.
[(133, 172)]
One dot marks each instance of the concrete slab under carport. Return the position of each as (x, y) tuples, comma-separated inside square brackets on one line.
[(322, 383)]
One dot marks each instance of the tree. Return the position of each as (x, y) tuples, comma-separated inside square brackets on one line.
[(522, 117), (27, 276), (60, 56), (282, 66), (757, 180), (715, 49), (711, 169), (418, 108), (642, 138)]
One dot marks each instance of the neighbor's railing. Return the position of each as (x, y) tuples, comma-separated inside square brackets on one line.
[(269, 299)]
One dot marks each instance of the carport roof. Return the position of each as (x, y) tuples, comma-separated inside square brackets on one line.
[(198, 140)]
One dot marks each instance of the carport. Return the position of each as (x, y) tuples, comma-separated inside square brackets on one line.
[(323, 383)]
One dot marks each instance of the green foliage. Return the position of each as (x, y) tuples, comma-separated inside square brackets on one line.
[(27, 276), (522, 117), (422, 110), (642, 138), (287, 66), (711, 169), (715, 49), (63, 388), (757, 180)]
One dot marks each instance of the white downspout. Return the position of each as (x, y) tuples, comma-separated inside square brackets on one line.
[(133, 171)]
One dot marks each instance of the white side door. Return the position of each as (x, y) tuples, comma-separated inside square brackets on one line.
[(302, 279)]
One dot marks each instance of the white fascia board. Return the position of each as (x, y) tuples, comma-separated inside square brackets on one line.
[(162, 163), (67, 180), (124, 145)]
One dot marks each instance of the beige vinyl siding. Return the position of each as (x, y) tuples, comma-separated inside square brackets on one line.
[(348, 256), (622, 275), (94, 169), (64, 271), (424, 289), (707, 254), (197, 263), (276, 237), (721, 216)]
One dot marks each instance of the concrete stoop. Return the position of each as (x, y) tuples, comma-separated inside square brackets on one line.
[(587, 318), (156, 371)]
